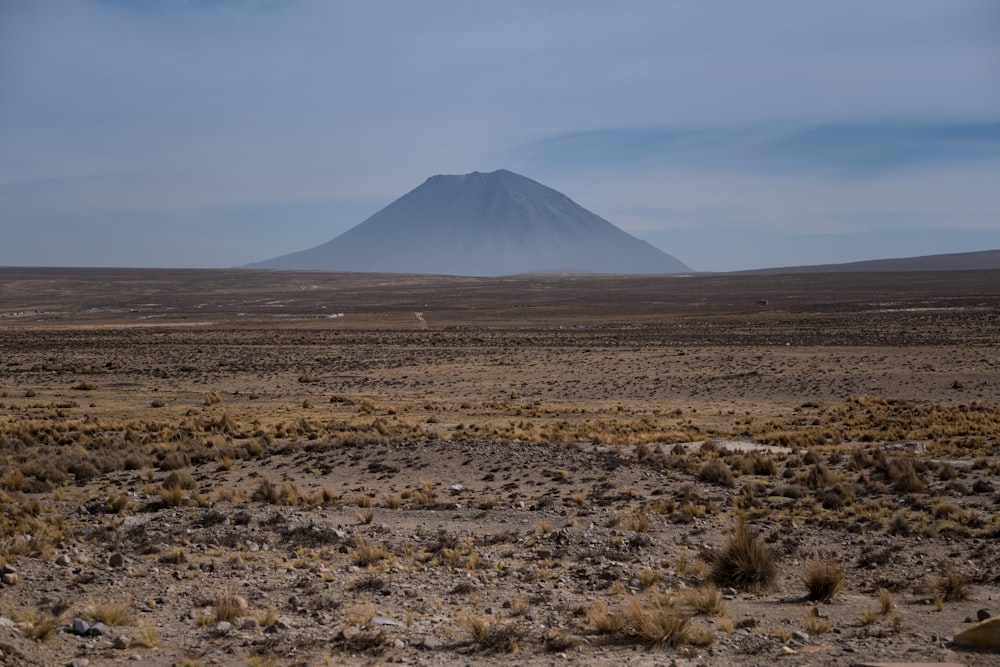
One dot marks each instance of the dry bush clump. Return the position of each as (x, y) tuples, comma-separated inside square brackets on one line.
[(228, 605), (489, 637), (743, 562), (604, 620), (823, 579), (886, 600), (952, 586), (706, 599), (37, 624), (904, 476), (368, 554), (718, 472), (111, 613)]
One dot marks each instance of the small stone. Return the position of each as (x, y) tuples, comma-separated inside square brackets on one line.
[(98, 630), (9, 578), (250, 625), (383, 621), (350, 632), (223, 627), (800, 636), (63, 559), (271, 629), (431, 643), (78, 662), (8, 569), (79, 627), (120, 642), (982, 614), (117, 560)]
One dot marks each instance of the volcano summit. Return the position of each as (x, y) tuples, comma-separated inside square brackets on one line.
[(480, 224)]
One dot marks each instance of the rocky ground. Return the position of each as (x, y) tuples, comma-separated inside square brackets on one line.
[(230, 492)]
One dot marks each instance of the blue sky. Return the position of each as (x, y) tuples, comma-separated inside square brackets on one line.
[(733, 135)]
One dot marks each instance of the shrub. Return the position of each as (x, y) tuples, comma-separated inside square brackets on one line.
[(706, 599), (717, 471), (492, 638), (112, 613), (823, 579), (659, 624), (904, 476), (604, 620), (952, 586), (886, 600), (743, 562), (228, 605)]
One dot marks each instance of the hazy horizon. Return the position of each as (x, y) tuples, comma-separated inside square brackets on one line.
[(731, 136)]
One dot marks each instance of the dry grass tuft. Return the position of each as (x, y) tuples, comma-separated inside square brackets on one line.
[(368, 554), (706, 599), (659, 624), (489, 637), (38, 625), (603, 619), (886, 600), (743, 562), (951, 586), (111, 613), (228, 606), (823, 579)]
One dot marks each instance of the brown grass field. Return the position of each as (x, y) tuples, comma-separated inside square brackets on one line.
[(288, 468)]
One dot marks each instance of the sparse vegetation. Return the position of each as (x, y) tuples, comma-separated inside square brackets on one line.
[(743, 561), (823, 579), (514, 476)]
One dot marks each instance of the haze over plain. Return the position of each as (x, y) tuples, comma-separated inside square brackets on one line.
[(731, 136)]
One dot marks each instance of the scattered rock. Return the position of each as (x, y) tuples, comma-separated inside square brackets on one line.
[(982, 614), (80, 627), (116, 560), (98, 630), (63, 559)]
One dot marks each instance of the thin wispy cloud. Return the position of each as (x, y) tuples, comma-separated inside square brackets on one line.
[(674, 120)]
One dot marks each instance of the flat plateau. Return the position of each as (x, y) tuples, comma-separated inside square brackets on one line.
[(293, 468)]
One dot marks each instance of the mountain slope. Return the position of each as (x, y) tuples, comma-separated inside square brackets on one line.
[(959, 261), (480, 224)]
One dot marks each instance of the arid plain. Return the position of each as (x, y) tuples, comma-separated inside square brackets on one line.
[(290, 468)]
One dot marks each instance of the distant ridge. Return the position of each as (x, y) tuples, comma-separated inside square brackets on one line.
[(482, 224), (983, 260)]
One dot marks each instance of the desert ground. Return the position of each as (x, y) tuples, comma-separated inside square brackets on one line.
[(289, 468)]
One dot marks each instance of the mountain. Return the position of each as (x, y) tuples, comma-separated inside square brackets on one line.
[(480, 224), (959, 261)]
